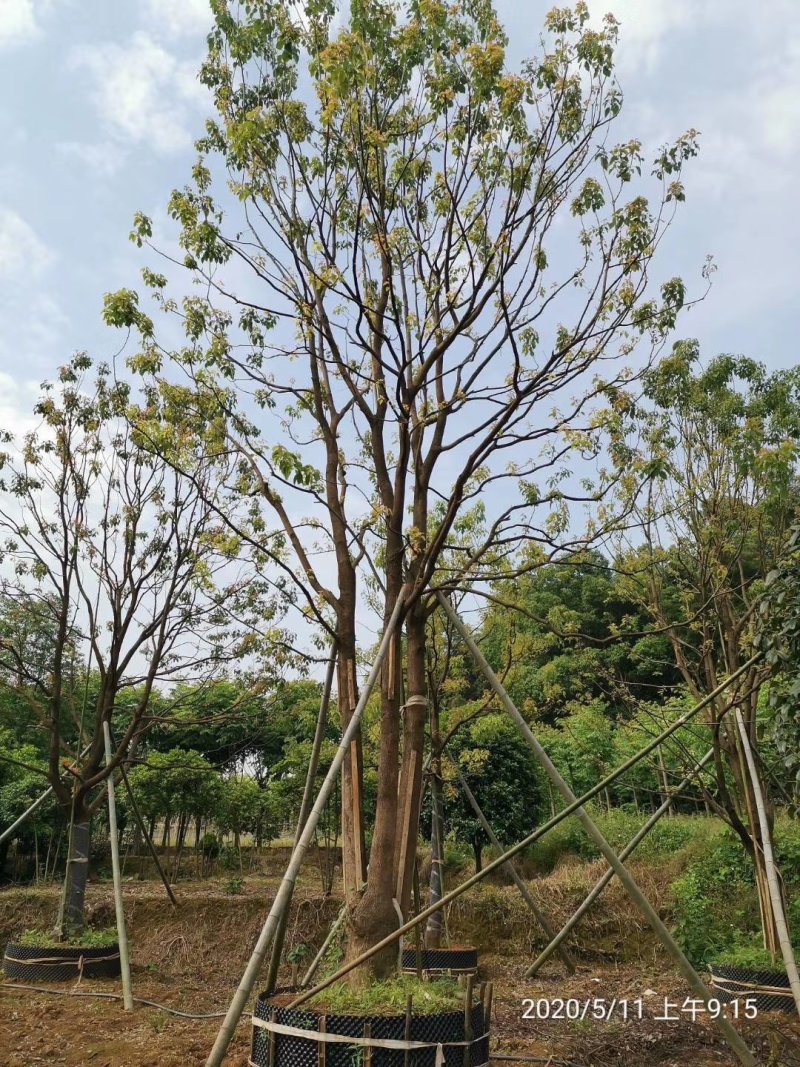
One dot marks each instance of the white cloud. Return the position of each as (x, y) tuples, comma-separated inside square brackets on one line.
[(23, 255), (17, 21), (104, 159), (645, 25), (179, 18), (20, 20), (142, 92)]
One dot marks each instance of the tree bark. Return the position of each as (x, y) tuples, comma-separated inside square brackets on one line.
[(75, 884)]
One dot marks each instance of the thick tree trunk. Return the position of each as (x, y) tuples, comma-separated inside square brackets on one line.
[(75, 880), (375, 914)]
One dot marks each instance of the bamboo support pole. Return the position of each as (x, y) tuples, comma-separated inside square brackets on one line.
[(542, 920), (26, 814), (122, 934), (526, 842), (769, 863), (694, 981), (286, 888), (305, 808), (600, 885)]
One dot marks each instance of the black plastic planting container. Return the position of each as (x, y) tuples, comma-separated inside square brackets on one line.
[(460, 959), (39, 963), (765, 990), (444, 1028)]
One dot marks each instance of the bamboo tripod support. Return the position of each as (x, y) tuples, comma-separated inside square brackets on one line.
[(286, 888), (696, 984), (534, 836), (573, 806)]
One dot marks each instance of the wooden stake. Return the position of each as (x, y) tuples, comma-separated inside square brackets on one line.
[(367, 1048), (322, 1046), (273, 1037)]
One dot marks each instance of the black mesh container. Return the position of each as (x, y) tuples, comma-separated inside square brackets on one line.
[(34, 963), (290, 1051), (461, 959), (767, 990)]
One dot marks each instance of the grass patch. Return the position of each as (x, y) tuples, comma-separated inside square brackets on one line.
[(389, 998), (88, 939)]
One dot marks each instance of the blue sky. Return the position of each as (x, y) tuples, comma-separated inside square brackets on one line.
[(101, 103)]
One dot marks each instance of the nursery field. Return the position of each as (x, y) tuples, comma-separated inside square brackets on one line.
[(190, 959)]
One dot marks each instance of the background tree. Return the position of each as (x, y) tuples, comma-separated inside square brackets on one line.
[(501, 773), (411, 319), (125, 561), (720, 444)]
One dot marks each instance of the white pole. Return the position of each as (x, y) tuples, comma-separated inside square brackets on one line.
[(284, 894), (122, 935)]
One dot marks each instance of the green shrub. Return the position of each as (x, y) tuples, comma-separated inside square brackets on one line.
[(233, 886), (714, 901), (751, 954)]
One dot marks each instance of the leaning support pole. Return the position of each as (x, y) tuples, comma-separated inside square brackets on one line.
[(542, 920), (490, 868), (26, 814), (122, 934), (769, 863), (286, 888), (599, 886), (634, 892), (305, 808)]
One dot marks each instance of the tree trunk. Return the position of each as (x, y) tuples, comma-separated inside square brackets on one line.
[(409, 800), (477, 852), (374, 916), (75, 882)]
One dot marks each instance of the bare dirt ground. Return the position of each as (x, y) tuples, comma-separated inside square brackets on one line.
[(192, 959)]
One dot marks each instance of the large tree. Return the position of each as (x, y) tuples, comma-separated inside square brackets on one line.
[(123, 563), (720, 443), (418, 287)]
